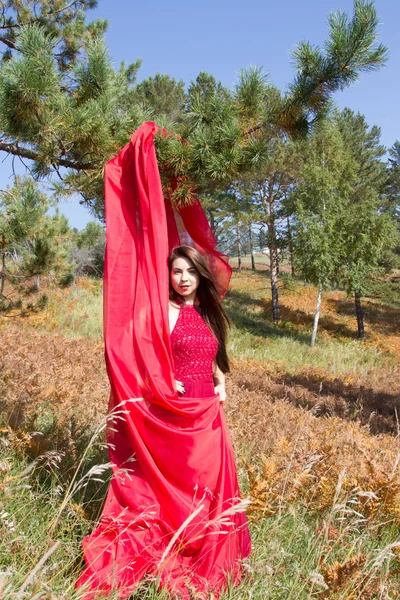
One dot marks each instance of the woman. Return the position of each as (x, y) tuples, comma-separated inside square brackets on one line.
[(173, 509), (198, 342)]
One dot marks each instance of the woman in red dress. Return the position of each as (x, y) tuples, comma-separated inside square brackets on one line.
[(173, 509), (198, 338)]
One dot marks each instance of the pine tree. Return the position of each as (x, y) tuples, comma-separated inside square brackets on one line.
[(61, 21), (62, 104), (368, 230), (91, 235), (163, 95), (32, 243), (320, 201)]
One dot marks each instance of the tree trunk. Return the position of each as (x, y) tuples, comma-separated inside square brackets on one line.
[(274, 272), (253, 264), (261, 241), (316, 318), (239, 248), (269, 209), (359, 315), (290, 240), (3, 273), (211, 219)]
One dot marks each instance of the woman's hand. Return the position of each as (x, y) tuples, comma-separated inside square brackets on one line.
[(220, 389), (180, 387)]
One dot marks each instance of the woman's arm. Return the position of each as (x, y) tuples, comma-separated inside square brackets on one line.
[(219, 382)]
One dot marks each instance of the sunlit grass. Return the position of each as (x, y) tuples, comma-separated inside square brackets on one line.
[(287, 344), (77, 312), (299, 552), (336, 358), (295, 553)]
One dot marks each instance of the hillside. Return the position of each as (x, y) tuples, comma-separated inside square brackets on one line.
[(315, 434)]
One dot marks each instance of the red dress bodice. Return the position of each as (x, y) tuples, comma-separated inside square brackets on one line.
[(194, 347)]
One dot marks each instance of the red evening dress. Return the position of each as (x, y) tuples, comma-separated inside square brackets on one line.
[(194, 349), (173, 510)]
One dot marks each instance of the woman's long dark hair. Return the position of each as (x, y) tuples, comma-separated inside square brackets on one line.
[(210, 305)]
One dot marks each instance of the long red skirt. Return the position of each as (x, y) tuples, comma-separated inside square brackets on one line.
[(190, 532)]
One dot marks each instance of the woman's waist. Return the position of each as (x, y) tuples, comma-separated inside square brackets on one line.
[(199, 372), (197, 388)]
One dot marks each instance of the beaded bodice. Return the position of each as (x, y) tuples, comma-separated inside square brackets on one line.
[(194, 347)]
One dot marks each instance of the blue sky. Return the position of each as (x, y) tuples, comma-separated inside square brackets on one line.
[(183, 38)]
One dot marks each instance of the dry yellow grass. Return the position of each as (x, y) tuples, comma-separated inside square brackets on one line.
[(60, 385), (317, 454)]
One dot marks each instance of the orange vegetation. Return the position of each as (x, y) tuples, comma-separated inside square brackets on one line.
[(337, 314), (60, 385), (306, 438)]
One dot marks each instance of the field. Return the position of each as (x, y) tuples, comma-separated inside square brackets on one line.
[(315, 433)]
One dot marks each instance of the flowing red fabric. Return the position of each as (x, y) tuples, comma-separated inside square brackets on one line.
[(173, 509)]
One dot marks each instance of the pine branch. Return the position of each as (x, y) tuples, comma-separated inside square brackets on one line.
[(56, 12), (8, 43), (17, 150), (39, 18), (10, 26)]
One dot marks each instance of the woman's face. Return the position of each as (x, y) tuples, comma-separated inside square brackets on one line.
[(184, 278)]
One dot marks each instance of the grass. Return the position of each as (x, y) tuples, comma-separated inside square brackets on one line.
[(325, 492), (77, 312), (74, 312), (296, 551), (387, 291), (291, 352), (287, 344)]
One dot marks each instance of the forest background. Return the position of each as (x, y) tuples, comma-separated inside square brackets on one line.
[(305, 199)]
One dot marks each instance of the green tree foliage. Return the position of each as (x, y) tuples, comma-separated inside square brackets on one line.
[(391, 203), (341, 229), (46, 249), (88, 249), (91, 235), (69, 113), (365, 146), (368, 231), (320, 201), (270, 206), (218, 208), (163, 95), (206, 88), (61, 21), (325, 184), (349, 51), (393, 183), (32, 243), (79, 112)]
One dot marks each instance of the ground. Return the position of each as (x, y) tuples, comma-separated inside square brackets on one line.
[(314, 430)]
